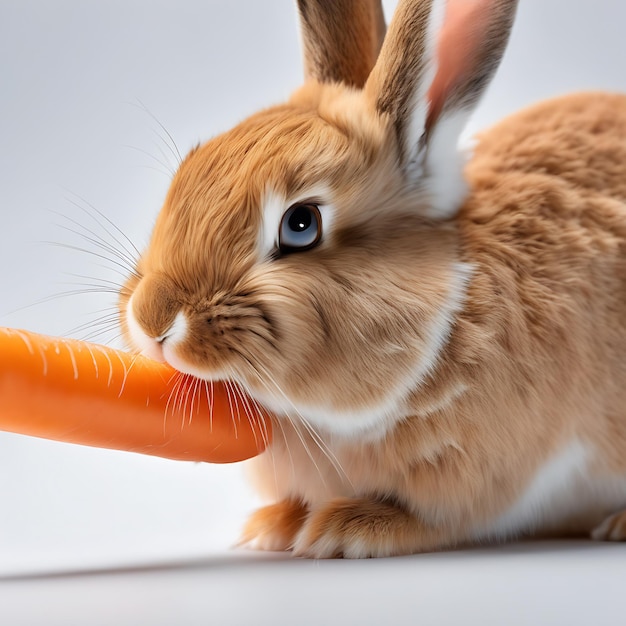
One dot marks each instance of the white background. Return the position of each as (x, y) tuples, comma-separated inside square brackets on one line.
[(97, 537)]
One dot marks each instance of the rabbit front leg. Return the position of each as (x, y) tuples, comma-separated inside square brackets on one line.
[(274, 527), (363, 528), (613, 528)]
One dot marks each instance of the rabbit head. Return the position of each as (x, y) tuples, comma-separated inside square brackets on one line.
[(310, 253)]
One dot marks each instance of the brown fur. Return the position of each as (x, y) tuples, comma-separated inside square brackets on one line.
[(539, 346), (535, 353), (341, 39), (275, 527)]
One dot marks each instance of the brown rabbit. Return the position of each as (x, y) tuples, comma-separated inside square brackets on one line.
[(443, 344)]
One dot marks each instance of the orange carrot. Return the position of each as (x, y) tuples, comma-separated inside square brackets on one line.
[(74, 391)]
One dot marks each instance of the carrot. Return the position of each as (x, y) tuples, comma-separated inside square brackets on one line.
[(77, 392)]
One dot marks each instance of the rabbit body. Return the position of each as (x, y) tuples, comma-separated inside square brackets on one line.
[(445, 357), (521, 427)]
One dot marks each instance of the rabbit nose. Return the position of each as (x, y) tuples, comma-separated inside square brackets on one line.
[(155, 305)]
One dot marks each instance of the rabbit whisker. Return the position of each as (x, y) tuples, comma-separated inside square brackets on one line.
[(301, 420), (173, 147)]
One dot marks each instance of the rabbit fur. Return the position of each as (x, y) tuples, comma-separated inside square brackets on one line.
[(446, 365)]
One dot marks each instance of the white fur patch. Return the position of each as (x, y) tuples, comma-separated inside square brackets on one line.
[(442, 325), (563, 489), (443, 170), (273, 209), (177, 332)]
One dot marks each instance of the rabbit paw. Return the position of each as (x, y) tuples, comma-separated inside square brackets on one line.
[(274, 527), (613, 528), (359, 528)]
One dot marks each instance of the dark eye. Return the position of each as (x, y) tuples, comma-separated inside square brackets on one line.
[(300, 228)]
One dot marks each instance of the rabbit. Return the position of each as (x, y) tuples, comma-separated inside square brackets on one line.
[(439, 335)]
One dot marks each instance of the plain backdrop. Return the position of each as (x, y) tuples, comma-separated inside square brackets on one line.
[(93, 95)]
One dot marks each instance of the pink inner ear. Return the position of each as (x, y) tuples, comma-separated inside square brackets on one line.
[(459, 41)]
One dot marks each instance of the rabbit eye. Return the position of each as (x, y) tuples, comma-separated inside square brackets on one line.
[(300, 228)]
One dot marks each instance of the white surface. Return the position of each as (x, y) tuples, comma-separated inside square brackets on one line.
[(72, 76), (533, 584)]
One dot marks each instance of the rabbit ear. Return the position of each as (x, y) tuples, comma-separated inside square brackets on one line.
[(435, 63), (341, 39)]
